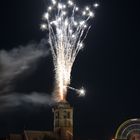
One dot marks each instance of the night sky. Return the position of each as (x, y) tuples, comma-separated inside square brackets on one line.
[(108, 67)]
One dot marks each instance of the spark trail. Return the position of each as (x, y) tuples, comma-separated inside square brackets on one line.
[(67, 26)]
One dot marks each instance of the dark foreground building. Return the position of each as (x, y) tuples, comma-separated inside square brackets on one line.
[(63, 126)]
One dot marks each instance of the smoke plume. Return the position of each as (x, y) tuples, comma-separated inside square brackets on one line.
[(19, 61), (14, 64), (15, 100)]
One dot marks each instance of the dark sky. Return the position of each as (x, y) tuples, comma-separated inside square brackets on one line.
[(108, 68)]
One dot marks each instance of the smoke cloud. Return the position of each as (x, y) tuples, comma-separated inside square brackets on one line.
[(15, 100), (19, 61), (14, 64)]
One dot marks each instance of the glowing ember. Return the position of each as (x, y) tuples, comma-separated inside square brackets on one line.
[(82, 92)]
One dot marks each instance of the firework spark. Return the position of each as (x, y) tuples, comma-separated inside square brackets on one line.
[(67, 25), (80, 92)]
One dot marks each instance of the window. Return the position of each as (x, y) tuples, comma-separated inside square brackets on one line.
[(57, 115), (68, 115), (65, 114)]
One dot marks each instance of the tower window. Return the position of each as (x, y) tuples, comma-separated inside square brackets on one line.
[(57, 115), (68, 115), (65, 115)]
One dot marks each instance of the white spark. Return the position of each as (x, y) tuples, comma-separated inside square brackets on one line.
[(59, 19), (46, 16), (64, 6), (60, 6), (73, 36), (81, 45), (96, 5), (76, 8), (43, 26), (64, 13), (70, 31), (87, 8), (70, 3), (54, 2), (84, 13), (49, 8), (53, 22), (91, 14), (82, 23), (59, 32), (85, 26), (82, 92), (66, 23), (75, 23)]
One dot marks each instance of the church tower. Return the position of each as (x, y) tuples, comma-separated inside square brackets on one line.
[(63, 120)]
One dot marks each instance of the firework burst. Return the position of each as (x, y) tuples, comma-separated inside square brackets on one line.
[(67, 26)]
